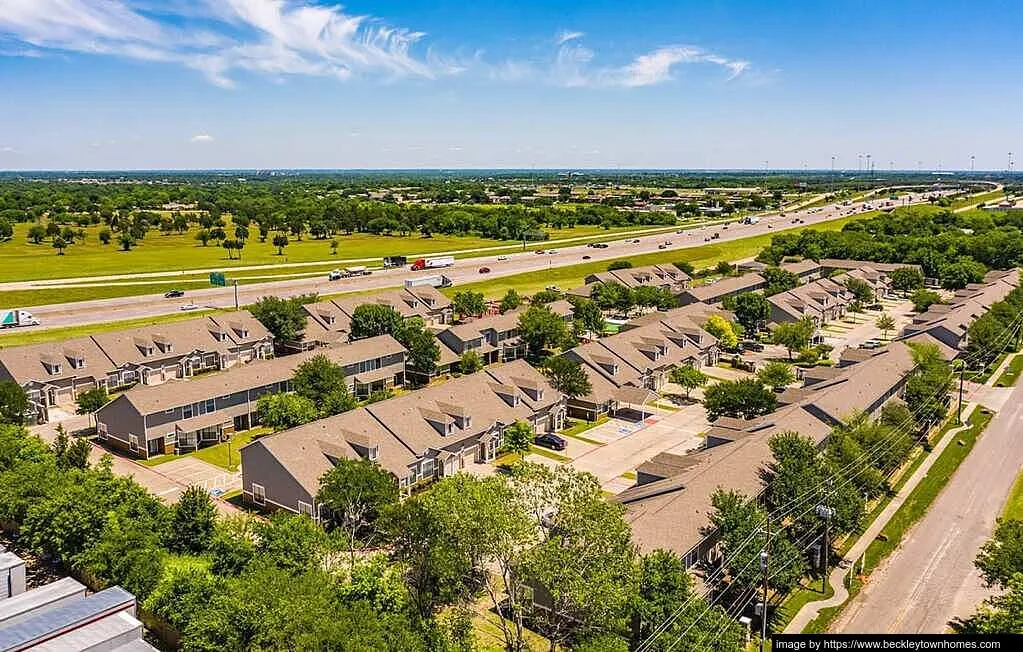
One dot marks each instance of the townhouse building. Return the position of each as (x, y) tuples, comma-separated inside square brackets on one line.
[(716, 292), (495, 338), (822, 301), (182, 416), (669, 506), (433, 432), (53, 374), (627, 369), (329, 322)]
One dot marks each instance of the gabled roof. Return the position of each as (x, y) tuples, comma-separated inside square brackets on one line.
[(148, 399), (711, 292), (26, 363)]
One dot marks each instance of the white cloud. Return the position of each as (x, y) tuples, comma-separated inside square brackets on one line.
[(201, 138), (564, 36), (221, 37), (7, 150), (280, 38)]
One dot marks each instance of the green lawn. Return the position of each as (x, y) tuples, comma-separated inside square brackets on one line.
[(576, 429), (225, 455), (701, 256), (1014, 504), (157, 252), (912, 510), (1011, 373), (539, 450)]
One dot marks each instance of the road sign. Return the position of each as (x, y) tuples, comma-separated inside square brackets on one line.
[(218, 278)]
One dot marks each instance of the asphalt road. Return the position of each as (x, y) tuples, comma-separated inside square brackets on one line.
[(931, 579), (464, 271)]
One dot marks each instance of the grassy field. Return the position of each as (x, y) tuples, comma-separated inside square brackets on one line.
[(701, 256), (157, 252), (911, 511)]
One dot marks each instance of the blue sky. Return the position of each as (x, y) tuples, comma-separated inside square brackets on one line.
[(116, 84)]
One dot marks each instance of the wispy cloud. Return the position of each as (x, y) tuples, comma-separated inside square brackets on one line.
[(201, 138), (221, 37), (564, 36), (573, 65)]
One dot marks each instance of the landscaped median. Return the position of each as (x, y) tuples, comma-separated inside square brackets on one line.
[(1011, 373), (912, 510)]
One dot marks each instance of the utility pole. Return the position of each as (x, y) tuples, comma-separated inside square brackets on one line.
[(972, 163), (959, 412), (825, 512), (764, 557), (236, 307)]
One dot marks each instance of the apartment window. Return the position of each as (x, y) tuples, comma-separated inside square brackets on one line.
[(210, 405), (170, 411), (258, 493), (187, 412), (171, 436)]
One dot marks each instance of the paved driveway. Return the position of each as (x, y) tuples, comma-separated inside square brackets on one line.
[(190, 471), (630, 444)]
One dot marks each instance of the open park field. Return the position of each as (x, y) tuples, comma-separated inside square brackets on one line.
[(23, 260)]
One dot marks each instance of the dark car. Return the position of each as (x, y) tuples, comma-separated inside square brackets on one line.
[(174, 294), (586, 257), (600, 245), (484, 270), (551, 441)]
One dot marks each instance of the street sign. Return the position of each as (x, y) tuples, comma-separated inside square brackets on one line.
[(218, 279)]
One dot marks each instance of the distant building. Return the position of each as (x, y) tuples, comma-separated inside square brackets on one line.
[(63, 617)]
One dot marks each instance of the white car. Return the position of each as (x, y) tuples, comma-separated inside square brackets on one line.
[(190, 306), (552, 251), (502, 257)]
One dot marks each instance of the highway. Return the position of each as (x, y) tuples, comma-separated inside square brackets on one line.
[(930, 578), (465, 270)]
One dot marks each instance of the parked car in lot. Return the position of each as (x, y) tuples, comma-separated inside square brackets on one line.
[(551, 441), (484, 270), (871, 344), (190, 306), (174, 294), (875, 306), (553, 288)]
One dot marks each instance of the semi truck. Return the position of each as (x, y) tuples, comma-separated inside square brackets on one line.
[(437, 281), (433, 263), (395, 261), (358, 270), (15, 318)]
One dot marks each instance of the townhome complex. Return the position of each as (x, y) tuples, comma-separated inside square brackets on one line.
[(181, 416), (669, 506), (54, 373), (433, 432)]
